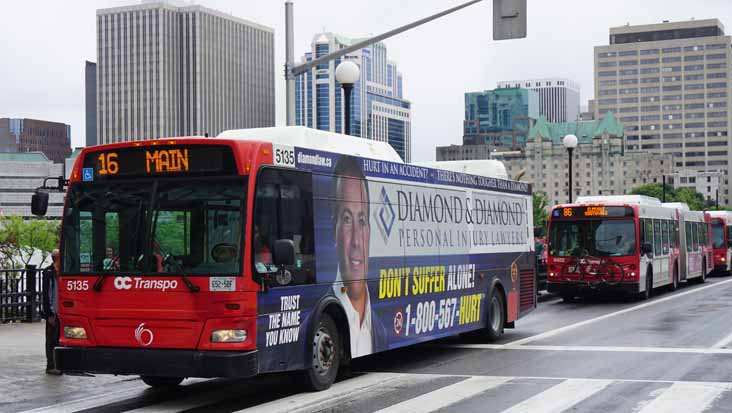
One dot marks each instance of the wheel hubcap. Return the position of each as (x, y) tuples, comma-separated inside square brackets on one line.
[(323, 352), (495, 314)]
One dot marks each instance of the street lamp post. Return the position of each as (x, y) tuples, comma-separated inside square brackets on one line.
[(347, 73), (570, 142)]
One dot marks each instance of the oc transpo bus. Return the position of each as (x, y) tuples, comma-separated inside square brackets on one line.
[(279, 249), (629, 244), (722, 241)]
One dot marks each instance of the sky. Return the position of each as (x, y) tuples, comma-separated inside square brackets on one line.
[(45, 45)]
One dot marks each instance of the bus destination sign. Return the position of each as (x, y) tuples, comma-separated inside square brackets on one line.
[(592, 211), (189, 160)]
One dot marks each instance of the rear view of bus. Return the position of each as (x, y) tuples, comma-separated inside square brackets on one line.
[(722, 241), (599, 244)]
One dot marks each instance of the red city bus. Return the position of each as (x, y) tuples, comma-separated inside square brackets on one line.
[(628, 244), (243, 254), (722, 241)]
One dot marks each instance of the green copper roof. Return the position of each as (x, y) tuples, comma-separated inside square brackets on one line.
[(23, 157), (584, 130)]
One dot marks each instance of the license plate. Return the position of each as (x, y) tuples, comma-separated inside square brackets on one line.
[(222, 284)]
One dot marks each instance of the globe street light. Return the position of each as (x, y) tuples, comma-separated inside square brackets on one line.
[(570, 142), (347, 74)]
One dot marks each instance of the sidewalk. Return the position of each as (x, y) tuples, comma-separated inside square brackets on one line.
[(23, 367)]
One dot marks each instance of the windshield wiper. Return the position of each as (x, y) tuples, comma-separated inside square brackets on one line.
[(100, 281), (193, 287)]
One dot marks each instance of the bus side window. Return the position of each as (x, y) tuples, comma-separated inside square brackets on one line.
[(664, 235), (657, 239), (696, 236), (284, 210), (689, 237)]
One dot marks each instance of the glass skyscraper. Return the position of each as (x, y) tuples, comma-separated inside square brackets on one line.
[(500, 118), (378, 109)]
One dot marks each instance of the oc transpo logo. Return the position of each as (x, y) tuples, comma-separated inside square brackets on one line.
[(143, 335), (122, 283), (385, 216)]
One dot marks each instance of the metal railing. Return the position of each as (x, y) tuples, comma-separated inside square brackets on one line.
[(21, 294)]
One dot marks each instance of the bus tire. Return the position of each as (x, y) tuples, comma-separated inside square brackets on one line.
[(159, 382), (645, 295), (496, 316), (703, 278), (675, 281), (326, 355)]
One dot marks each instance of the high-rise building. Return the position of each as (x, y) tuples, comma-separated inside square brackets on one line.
[(500, 118), (378, 109), (90, 102), (32, 135), (164, 71), (559, 98), (669, 84)]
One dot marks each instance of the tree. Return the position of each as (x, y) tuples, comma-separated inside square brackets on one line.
[(20, 239), (540, 203), (686, 195), (656, 191)]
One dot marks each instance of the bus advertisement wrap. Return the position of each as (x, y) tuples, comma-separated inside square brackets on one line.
[(411, 254)]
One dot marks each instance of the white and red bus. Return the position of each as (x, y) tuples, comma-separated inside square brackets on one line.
[(629, 244), (722, 241), (279, 249), (695, 244)]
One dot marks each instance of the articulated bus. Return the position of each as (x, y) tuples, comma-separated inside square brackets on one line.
[(695, 246), (629, 244), (279, 249), (722, 241)]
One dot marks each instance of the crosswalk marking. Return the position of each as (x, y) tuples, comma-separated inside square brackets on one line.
[(685, 398), (560, 397), (418, 393), (339, 390), (446, 396)]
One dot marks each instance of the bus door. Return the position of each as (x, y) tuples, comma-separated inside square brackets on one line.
[(660, 260)]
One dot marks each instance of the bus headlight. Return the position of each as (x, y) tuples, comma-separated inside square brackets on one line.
[(228, 336), (76, 333)]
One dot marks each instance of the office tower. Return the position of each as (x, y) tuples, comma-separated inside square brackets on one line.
[(669, 84), (378, 109), (559, 98), (499, 118), (90, 102), (165, 71)]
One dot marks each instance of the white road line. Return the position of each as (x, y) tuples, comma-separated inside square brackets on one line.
[(569, 327), (723, 342), (339, 390), (560, 397), (93, 401), (446, 396), (609, 349), (685, 397)]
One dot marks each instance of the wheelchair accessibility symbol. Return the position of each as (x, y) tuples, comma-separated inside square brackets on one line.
[(87, 174)]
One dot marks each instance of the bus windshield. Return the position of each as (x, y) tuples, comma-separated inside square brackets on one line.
[(604, 238), (718, 233), (167, 226)]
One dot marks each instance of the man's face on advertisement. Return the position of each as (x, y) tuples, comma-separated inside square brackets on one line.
[(352, 230)]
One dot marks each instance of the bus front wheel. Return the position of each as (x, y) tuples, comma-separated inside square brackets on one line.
[(156, 381), (326, 355)]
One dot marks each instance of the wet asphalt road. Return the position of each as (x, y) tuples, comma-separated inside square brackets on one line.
[(671, 353)]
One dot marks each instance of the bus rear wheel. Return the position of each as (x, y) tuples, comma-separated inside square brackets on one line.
[(675, 281), (156, 381), (496, 316), (326, 356)]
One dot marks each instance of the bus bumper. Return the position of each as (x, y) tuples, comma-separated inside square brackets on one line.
[(154, 362), (720, 269), (569, 288)]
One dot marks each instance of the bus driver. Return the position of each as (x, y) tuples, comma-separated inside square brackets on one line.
[(352, 236)]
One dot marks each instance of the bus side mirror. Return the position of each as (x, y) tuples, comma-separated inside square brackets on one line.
[(284, 252), (39, 203), (646, 248)]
